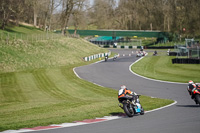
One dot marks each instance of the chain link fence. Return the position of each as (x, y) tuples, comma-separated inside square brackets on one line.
[(189, 53), (191, 49), (10, 37)]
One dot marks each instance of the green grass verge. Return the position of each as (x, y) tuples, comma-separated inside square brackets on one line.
[(161, 67), (52, 96), (164, 44), (38, 86)]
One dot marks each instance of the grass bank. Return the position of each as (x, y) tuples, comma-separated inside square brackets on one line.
[(38, 86), (25, 33), (161, 67)]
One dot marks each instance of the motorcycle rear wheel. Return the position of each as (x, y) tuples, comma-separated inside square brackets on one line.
[(127, 109), (197, 98)]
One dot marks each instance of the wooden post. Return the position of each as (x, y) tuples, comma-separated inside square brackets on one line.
[(7, 38)]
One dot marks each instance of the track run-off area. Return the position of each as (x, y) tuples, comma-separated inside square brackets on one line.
[(182, 116)]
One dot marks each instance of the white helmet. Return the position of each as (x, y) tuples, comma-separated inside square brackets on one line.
[(123, 87), (190, 82)]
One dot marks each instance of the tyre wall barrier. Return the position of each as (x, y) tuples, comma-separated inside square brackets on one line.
[(160, 47), (96, 56), (185, 61), (177, 53), (173, 53), (138, 47), (118, 46)]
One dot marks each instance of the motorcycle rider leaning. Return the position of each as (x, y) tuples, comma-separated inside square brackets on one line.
[(106, 55), (124, 92), (191, 86)]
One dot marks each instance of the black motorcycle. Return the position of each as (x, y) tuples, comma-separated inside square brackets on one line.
[(129, 108), (106, 58)]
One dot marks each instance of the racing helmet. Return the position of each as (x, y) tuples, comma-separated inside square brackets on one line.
[(190, 82), (123, 87)]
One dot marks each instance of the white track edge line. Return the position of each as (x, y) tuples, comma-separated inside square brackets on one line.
[(175, 102), (83, 79), (150, 78)]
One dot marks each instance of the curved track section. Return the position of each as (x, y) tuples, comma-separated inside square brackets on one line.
[(182, 117)]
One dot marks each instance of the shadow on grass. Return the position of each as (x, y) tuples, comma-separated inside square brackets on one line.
[(8, 30), (120, 114), (30, 27), (116, 113), (10, 27)]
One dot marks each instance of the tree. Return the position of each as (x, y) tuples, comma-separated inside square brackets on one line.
[(5, 12), (79, 14), (53, 5), (102, 13), (67, 6), (164, 15), (36, 9), (17, 10)]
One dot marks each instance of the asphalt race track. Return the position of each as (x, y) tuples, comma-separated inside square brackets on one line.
[(183, 117)]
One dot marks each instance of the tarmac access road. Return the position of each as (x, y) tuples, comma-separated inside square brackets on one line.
[(183, 117)]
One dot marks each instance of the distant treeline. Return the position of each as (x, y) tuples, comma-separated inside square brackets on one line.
[(177, 16)]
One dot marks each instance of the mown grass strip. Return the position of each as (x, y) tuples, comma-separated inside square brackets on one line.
[(10, 90), (46, 85)]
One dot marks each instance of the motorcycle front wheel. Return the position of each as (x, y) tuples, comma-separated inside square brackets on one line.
[(142, 111), (128, 110)]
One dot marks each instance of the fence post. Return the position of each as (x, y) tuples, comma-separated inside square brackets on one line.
[(7, 39)]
